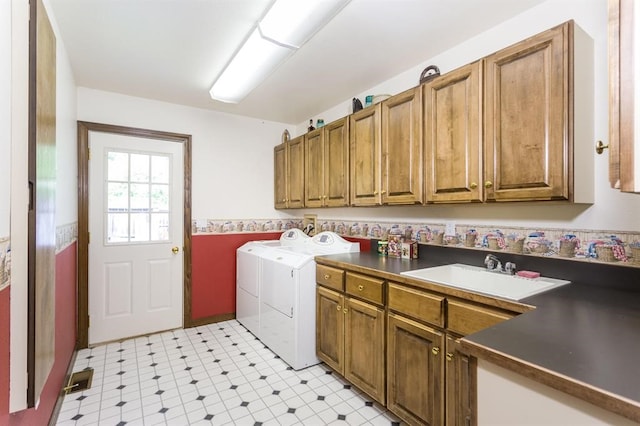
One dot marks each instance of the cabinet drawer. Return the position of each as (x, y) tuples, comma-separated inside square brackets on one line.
[(368, 288), (417, 304), (465, 318), (330, 277)]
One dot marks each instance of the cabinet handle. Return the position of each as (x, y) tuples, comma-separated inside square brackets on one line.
[(383, 192), (338, 307), (344, 310), (488, 184), (473, 185), (375, 192), (450, 356), (360, 287), (327, 276), (435, 350)]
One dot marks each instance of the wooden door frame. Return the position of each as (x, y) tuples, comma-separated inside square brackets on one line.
[(83, 217)]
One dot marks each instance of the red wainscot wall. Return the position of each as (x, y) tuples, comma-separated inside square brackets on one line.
[(213, 272), (65, 339)]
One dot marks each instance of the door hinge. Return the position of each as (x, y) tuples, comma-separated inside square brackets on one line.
[(88, 237), (292, 273), (88, 153), (88, 321)]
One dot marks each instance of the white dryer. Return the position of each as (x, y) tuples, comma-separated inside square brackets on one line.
[(249, 275), (288, 297)]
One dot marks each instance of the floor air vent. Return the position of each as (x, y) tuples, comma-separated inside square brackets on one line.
[(79, 381)]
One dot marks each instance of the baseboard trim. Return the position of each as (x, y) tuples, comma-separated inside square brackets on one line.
[(212, 319)]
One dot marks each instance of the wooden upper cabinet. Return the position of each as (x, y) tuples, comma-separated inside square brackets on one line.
[(314, 169), (289, 174), (453, 136), (327, 165), (402, 180), (528, 118), (364, 157), (622, 118), (280, 176)]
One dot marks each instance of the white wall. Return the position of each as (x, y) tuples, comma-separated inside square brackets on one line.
[(232, 156), (612, 210), (5, 116)]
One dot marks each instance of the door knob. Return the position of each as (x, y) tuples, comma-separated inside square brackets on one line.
[(175, 250)]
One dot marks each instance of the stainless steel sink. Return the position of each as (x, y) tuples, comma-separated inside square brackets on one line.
[(479, 280)]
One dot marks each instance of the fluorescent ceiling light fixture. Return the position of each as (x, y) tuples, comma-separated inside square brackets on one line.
[(287, 26)]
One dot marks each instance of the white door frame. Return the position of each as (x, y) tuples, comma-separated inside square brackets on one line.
[(83, 217)]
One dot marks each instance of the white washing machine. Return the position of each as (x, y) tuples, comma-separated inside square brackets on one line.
[(249, 275), (288, 297)]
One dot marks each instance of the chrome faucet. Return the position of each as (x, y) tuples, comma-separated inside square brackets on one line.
[(493, 264)]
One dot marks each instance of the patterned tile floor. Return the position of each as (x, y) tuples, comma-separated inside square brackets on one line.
[(217, 374)]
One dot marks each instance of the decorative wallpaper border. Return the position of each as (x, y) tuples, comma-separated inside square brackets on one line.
[(575, 244), (5, 262), (66, 235)]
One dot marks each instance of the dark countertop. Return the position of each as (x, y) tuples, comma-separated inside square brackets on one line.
[(582, 338)]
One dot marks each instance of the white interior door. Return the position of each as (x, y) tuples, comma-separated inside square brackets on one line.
[(136, 236)]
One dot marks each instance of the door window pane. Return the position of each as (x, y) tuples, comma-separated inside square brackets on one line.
[(139, 227), (118, 197), (159, 169), (160, 198), (117, 166), (117, 228), (139, 168), (159, 226), (139, 197)]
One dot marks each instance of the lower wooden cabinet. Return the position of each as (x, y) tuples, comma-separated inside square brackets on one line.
[(415, 371), (330, 328), (364, 348), (460, 387), (350, 338)]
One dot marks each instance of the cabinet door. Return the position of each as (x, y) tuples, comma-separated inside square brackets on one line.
[(623, 115), (295, 172), (402, 180), (460, 386), (415, 371), (453, 136), (527, 105), (314, 158), (330, 328), (336, 176), (364, 348), (280, 176), (364, 157)]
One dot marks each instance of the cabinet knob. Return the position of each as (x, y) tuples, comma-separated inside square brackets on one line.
[(360, 287), (473, 185), (435, 350), (338, 307), (375, 192), (600, 147), (327, 276), (450, 356), (344, 310), (383, 192), (488, 184)]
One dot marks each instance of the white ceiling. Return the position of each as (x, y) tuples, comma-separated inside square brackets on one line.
[(172, 50)]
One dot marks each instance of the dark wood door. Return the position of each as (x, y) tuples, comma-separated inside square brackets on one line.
[(42, 203)]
